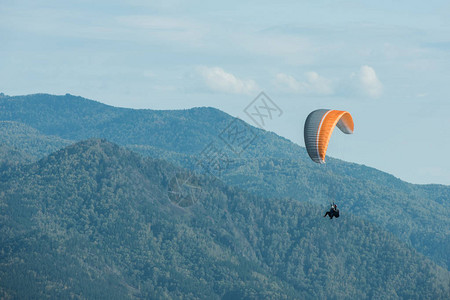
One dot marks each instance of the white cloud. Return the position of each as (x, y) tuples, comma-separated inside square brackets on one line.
[(369, 82), (219, 80), (313, 84), (364, 82)]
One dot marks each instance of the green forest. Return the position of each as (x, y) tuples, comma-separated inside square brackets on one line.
[(98, 218)]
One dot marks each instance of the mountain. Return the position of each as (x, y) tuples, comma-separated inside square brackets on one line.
[(76, 118), (269, 165), (94, 220), (11, 156), (30, 141)]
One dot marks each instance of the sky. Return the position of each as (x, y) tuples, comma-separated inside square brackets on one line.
[(386, 62)]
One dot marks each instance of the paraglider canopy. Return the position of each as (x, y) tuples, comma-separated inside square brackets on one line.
[(319, 126)]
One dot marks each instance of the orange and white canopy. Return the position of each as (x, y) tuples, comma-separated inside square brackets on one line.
[(319, 126)]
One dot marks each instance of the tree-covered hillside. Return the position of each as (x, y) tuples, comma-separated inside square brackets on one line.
[(28, 140), (97, 221), (270, 165), (416, 214), (76, 118), (11, 156)]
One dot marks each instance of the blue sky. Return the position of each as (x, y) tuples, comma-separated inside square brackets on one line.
[(386, 63)]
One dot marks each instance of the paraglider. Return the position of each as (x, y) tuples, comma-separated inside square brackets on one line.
[(333, 212), (319, 126)]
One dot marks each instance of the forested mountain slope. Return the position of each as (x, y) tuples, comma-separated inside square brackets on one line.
[(28, 140), (270, 165), (97, 221)]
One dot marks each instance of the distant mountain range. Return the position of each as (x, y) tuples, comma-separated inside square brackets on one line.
[(265, 172)]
